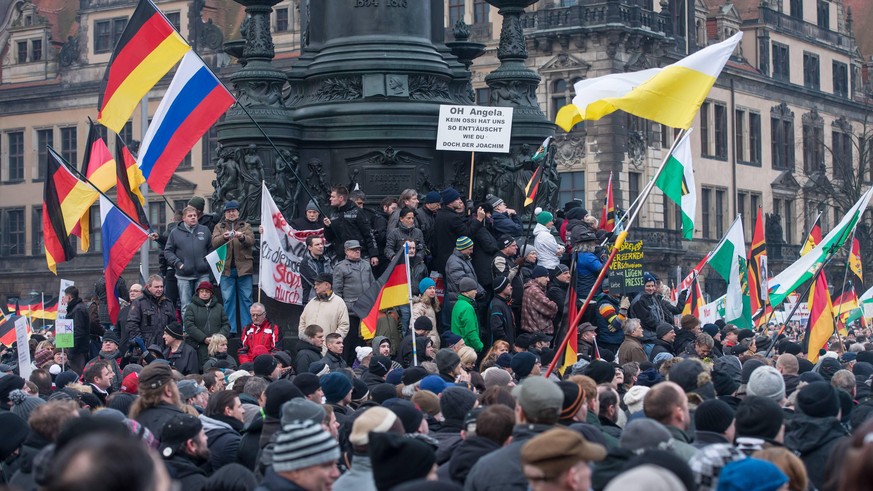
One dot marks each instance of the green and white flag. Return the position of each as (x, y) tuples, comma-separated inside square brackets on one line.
[(676, 180), (542, 151), (805, 268), (216, 260), (729, 261)]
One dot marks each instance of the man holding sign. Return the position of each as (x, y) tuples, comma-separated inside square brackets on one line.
[(78, 313)]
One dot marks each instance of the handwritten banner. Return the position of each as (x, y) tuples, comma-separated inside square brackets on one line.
[(626, 270)]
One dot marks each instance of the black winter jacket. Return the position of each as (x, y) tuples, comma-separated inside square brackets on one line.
[(448, 226), (348, 222), (307, 354), (814, 439)]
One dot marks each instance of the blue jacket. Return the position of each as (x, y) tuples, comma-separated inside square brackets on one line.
[(505, 224), (588, 267)]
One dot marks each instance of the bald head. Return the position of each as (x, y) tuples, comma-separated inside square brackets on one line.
[(787, 364), (666, 403)]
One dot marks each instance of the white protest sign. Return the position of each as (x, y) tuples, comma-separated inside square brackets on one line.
[(62, 303), (23, 347), (64, 333), (474, 129)]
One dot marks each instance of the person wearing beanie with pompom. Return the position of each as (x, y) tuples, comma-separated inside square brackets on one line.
[(426, 304), (459, 268), (548, 250), (22, 403)]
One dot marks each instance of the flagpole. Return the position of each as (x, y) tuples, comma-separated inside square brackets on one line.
[(845, 276), (472, 164), (411, 329), (567, 306), (549, 155), (143, 188)]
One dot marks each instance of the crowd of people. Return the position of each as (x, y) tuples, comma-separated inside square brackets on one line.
[(452, 392)]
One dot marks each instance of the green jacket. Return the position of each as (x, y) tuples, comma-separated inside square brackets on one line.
[(202, 320), (465, 323)]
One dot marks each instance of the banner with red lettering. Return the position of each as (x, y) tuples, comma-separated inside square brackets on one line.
[(282, 247)]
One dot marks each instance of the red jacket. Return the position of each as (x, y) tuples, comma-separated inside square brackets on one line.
[(266, 334)]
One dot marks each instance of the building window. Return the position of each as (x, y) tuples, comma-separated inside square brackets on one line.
[(705, 110), (559, 96), (824, 14), (96, 236), (841, 149), (813, 142), (175, 19), (781, 64), (15, 170), (107, 33), (157, 219), (125, 137), (740, 135), (69, 145), (481, 9), (483, 96), (186, 162), (633, 185), (721, 131), (705, 204), (456, 11), (713, 130), (796, 9), (572, 187), (44, 139), (22, 51), (841, 79), (784, 210), (36, 50), (281, 20), (810, 71), (754, 138), (210, 146), (37, 242), (12, 242), (720, 206), (782, 134)]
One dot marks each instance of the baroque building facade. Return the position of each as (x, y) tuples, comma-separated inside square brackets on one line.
[(777, 129)]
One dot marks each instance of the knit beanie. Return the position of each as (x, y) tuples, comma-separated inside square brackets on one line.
[(360, 390), (633, 399), (447, 360), (523, 363), (767, 382), (15, 431), (175, 330), (11, 382), (500, 284), (818, 400), (751, 475), (708, 462), (433, 383), (422, 323), (663, 329), (412, 375), (264, 365), (395, 377), (311, 206), (449, 195), (750, 366), (456, 402), (686, 374), (463, 242), (828, 367), (406, 411), (666, 459), (197, 202), (574, 397), (398, 459), (539, 272), (643, 434), (758, 417), (544, 217), (335, 386), (63, 379), (303, 444), (713, 415), (496, 377), (302, 410), (277, 394), (380, 393), (723, 383), (600, 371), (449, 339), (432, 197), (425, 283), (308, 383), (23, 404), (379, 365)]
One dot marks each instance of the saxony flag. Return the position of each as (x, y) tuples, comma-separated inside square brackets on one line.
[(676, 180), (216, 259), (728, 259)]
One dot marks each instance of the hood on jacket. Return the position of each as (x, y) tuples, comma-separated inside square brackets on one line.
[(541, 228), (806, 434), (377, 341), (210, 424)]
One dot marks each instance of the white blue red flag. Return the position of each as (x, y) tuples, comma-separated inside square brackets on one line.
[(194, 101), (122, 239)]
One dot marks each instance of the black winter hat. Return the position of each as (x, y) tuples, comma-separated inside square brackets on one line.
[(685, 373), (668, 460), (379, 365), (723, 383), (523, 363), (713, 415), (264, 365), (422, 323), (758, 417), (278, 393), (818, 400), (382, 392), (412, 375), (398, 459), (828, 367), (866, 356), (406, 411), (600, 371), (456, 402), (748, 367), (308, 383)]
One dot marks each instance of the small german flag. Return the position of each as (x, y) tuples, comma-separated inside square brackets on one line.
[(130, 200), (607, 217), (98, 166), (45, 310), (391, 290), (855, 259), (530, 191), (147, 50)]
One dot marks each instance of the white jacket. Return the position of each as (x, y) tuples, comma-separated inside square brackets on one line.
[(548, 250)]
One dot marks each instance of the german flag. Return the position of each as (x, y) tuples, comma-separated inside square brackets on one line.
[(45, 310), (813, 238), (855, 260), (530, 191), (65, 201), (129, 199), (149, 48), (7, 330), (758, 274), (98, 166), (694, 302), (820, 326), (391, 290), (571, 353), (607, 217), (843, 305)]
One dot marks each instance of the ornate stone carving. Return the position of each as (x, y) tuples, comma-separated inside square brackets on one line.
[(565, 62), (255, 28), (210, 36), (284, 187), (259, 91), (338, 89), (316, 179), (251, 177), (227, 183), (423, 183), (570, 149), (428, 88), (70, 51), (636, 147), (513, 93), (512, 43)]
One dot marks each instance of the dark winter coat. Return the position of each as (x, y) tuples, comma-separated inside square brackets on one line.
[(501, 323), (467, 454), (652, 310), (661, 346), (448, 226), (202, 320), (348, 222), (184, 469), (186, 250), (155, 418), (351, 279), (506, 224), (148, 317), (78, 311), (610, 320), (588, 267), (310, 267), (275, 482), (505, 266), (23, 478), (399, 236), (307, 354), (684, 339), (483, 253), (249, 445), (404, 353), (334, 361), (223, 439), (814, 439), (184, 359), (501, 470), (557, 292), (458, 267)]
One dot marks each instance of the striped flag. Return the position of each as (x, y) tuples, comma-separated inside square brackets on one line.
[(391, 290), (122, 239), (676, 180), (758, 273), (813, 238), (128, 179), (607, 216), (193, 102), (216, 260), (65, 201), (99, 167), (147, 50), (820, 326), (135, 179), (728, 259), (46, 310), (694, 301), (855, 260), (571, 353), (530, 191)]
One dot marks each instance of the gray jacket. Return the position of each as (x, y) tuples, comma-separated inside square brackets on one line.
[(359, 477), (350, 279), (501, 470), (398, 237), (186, 250), (458, 267)]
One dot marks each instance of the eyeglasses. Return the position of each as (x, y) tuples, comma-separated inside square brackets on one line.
[(258, 314)]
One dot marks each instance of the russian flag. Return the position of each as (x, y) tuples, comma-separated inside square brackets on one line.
[(122, 239), (194, 101)]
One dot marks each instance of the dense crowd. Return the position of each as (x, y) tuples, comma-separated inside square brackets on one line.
[(452, 391)]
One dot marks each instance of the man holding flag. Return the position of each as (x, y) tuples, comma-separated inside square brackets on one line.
[(233, 240)]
